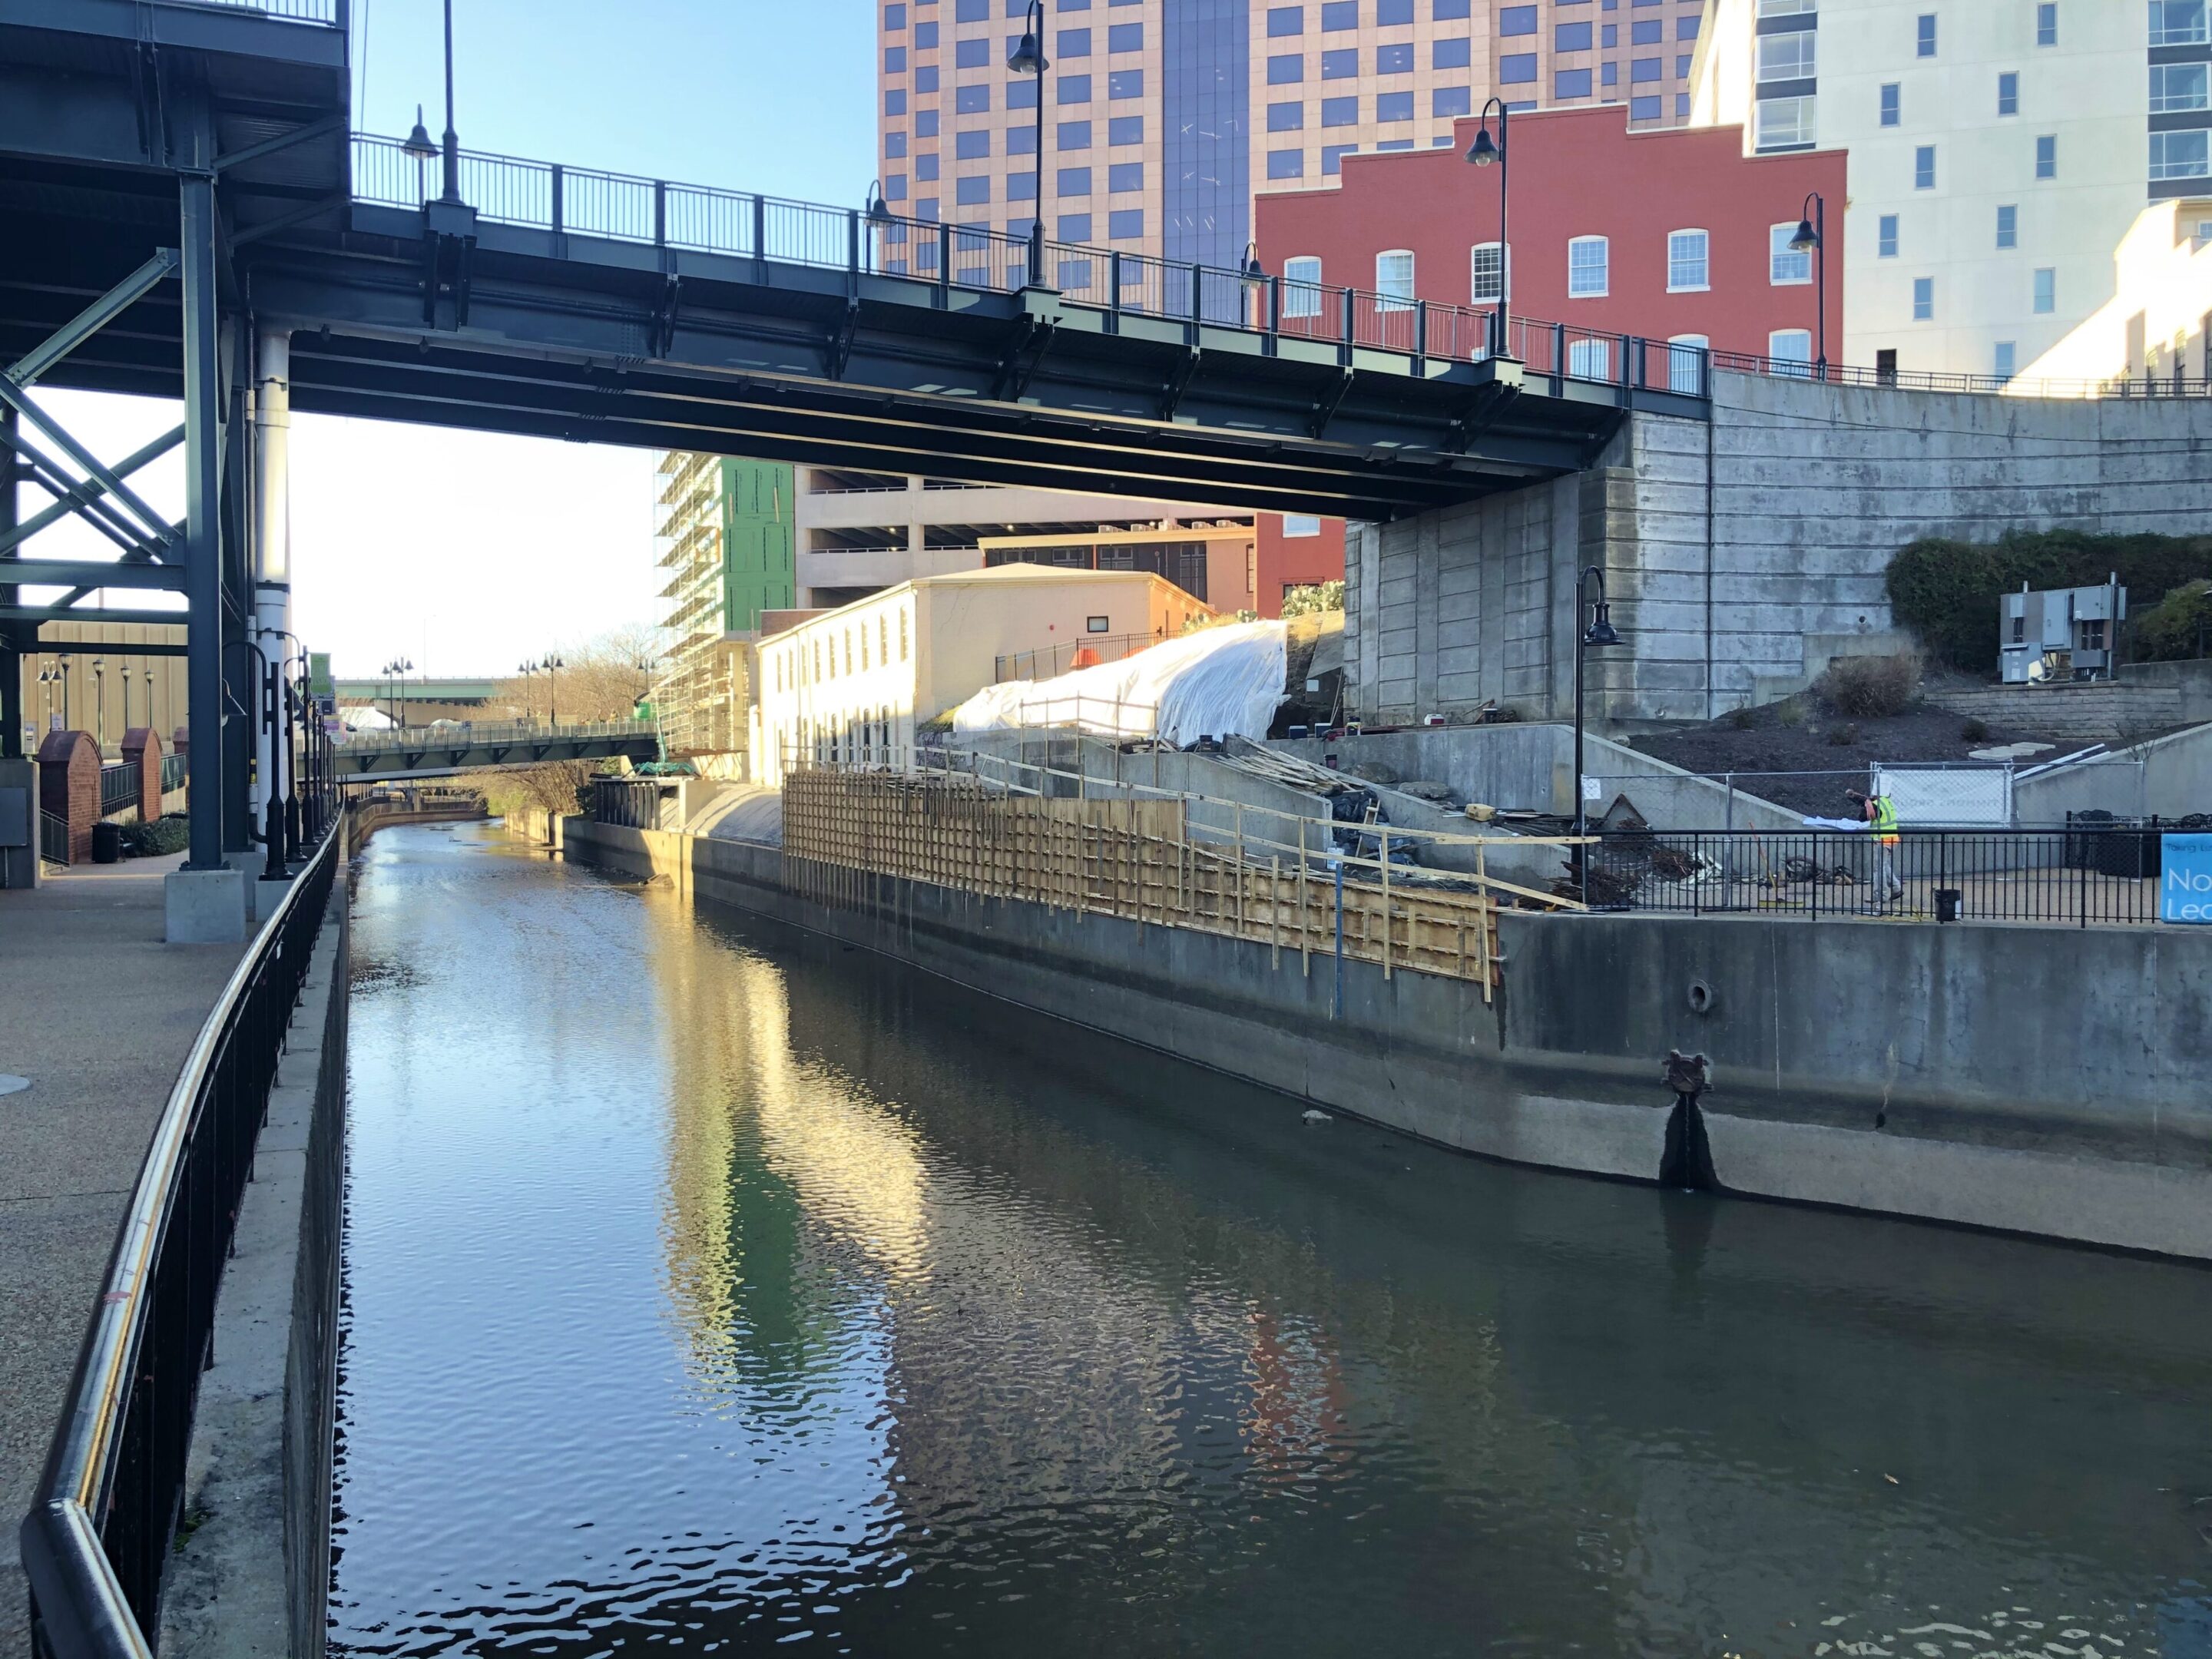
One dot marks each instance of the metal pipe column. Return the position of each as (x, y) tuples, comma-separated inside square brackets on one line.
[(272, 532), (11, 635), (203, 676)]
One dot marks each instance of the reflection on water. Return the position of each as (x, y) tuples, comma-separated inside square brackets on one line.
[(715, 1287)]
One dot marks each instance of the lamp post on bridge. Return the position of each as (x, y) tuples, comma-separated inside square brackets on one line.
[(553, 667), (1812, 238), (1482, 153), (1028, 58), (1596, 635), (452, 192)]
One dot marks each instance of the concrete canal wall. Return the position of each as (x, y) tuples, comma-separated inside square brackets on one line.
[(2046, 1081)]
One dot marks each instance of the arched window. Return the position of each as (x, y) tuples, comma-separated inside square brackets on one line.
[(1685, 363), (1301, 287)]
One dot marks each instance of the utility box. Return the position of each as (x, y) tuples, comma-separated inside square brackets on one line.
[(2060, 633)]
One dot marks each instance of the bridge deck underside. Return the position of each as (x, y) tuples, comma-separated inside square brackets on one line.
[(599, 341)]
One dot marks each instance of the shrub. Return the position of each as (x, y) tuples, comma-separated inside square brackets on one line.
[(1945, 592), (1742, 719), (1309, 601), (1791, 711), (1974, 732), (159, 838), (1871, 688), (2178, 626), (1844, 736)]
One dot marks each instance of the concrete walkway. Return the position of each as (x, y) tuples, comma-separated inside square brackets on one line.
[(99, 1013)]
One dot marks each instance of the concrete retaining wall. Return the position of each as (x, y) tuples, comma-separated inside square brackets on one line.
[(1740, 555), (250, 1574), (2045, 1081)]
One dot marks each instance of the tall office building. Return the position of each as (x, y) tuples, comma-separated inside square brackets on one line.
[(2013, 167), (1164, 117)]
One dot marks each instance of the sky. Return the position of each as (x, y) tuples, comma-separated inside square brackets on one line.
[(468, 553)]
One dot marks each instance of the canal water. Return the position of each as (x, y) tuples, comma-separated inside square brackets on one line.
[(712, 1287)]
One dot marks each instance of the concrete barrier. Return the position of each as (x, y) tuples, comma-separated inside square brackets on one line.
[(2038, 1080)]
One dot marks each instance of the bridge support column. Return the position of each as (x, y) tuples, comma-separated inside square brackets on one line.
[(19, 863), (206, 899), (270, 539)]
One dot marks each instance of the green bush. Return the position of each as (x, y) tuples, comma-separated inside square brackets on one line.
[(1974, 732), (156, 840), (2177, 627), (1947, 590), (1320, 596)]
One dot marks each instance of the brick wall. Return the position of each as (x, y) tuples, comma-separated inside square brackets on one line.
[(68, 786), (141, 748)]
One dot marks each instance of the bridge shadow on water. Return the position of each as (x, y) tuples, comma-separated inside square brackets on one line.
[(712, 1281)]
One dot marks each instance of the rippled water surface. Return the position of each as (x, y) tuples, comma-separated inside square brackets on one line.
[(713, 1287)]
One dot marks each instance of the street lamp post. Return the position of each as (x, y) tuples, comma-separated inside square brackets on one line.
[(452, 192), (1483, 152), (1812, 238), (99, 702), (553, 667), (879, 217), (1028, 58), (1597, 635)]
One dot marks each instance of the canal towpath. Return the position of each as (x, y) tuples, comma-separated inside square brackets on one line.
[(99, 1015)]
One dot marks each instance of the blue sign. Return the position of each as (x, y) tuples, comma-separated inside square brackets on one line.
[(2184, 883)]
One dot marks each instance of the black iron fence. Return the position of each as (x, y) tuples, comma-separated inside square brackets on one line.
[(118, 788), (53, 838), (106, 1512), (2074, 876)]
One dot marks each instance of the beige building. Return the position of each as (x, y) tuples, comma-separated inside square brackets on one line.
[(101, 684), (856, 683)]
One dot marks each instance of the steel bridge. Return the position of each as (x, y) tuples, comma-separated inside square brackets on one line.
[(186, 213), (438, 752)]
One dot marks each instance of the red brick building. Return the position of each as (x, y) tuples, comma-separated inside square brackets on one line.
[(1674, 234), (1671, 235)]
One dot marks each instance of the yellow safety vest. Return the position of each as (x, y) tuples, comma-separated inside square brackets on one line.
[(1885, 821)]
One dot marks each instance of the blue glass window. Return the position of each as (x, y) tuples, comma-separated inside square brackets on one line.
[(1125, 224), (1449, 54)]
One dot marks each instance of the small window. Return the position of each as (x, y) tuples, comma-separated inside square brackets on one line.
[(1516, 20), (2176, 23), (2046, 23), (1341, 64), (1588, 267), (1923, 44), (1924, 299), (2177, 87), (1688, 263), (1339, 112), (1394, 106), (1570, 83), (1923, 166), (1394, 59), (2179, 154), (1339, 15), (1125, 175), (1570, 36), (1393, 279), (2046, 156), (1302, 287), (1448, 102), (1300, 524), (1285, 20), (1286, 69), (1332, 157), (2009, 92), (1451, 54), (1286, 117), (1518, 69), (1786, 265), (1096, 624), (1074, 43), (1125, 224), (2007, 359), (1487, 284), (1287, 164), (1124, 37), (1125, 130), (1892, 102), (2046, 290), (1785, 123), (2008, 225), (1791, 57), (1685, 363), (1789, 348), (1126, 84), (1885, 237)]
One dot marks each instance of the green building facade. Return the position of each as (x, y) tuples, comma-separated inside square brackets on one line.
[(760, 569)]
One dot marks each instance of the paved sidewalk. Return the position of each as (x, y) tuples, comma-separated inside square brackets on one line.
[(98, 1012)]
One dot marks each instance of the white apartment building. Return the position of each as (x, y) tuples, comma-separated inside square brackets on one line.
[(2001, 153), (856, 683)]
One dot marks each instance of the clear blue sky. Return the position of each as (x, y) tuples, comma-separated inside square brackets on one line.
[(776, 95), (464, 552)]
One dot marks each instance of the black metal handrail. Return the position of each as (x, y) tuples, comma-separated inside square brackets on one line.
[(106, 1512), (118, 788), (53, 838), (2076, 877)]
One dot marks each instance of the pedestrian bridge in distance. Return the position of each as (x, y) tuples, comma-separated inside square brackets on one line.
[(440, 751)]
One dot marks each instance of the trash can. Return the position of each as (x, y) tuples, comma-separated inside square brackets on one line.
[(1949, 903), (107, 842)]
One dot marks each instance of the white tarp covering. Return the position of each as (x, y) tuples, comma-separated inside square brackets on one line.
[(1948, 797), (1217, 682)]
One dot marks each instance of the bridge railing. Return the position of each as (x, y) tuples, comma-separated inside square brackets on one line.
[(583, 201), (477, 734), (330, 12), (105, 1516)]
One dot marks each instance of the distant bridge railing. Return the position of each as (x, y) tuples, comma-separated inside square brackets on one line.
[(621, 207), (330, 12), (477, 734)]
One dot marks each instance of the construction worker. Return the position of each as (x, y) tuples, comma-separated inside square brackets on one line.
[(1881, 814)]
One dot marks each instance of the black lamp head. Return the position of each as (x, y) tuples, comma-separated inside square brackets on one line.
[(879, 211), (1806, 238), (418, 143), (1484, 150), (1600, 632), (1028, 56)]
